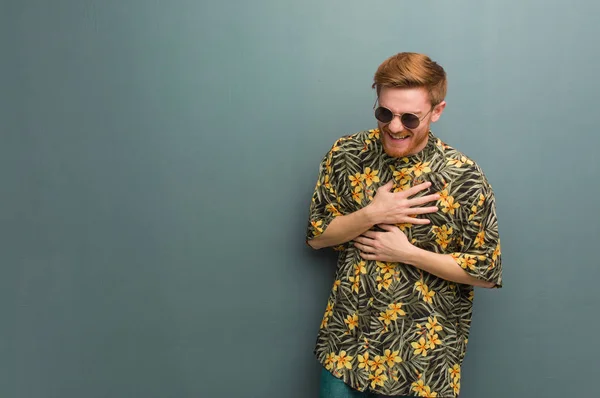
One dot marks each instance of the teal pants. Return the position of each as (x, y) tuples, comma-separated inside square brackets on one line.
[(332, 387)]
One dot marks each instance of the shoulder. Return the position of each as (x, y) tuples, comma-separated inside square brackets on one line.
[(458, 163), (466, 176), (354, 142)]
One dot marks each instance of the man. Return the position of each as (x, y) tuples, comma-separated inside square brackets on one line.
[(414, 221)]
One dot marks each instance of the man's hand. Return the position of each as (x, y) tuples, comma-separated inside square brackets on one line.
[(393, 246), (390, 246), (398, 207)]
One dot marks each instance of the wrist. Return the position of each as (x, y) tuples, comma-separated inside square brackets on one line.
[(371, 214), (413, 255)]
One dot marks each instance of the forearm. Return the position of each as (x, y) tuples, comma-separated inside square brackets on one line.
[(443, 266), (344, 228)]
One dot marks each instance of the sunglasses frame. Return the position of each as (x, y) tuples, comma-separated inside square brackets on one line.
[(400, 115)]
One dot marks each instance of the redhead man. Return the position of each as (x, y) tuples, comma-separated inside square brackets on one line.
[(414, 222)]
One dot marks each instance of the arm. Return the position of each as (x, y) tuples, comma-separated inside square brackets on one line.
[(343, 229), (443, 266), (386, 207), (478, 262)]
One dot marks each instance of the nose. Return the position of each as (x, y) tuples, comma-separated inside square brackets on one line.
[(395, 126)]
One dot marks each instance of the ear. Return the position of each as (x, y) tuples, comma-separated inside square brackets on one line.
[(437, 111)]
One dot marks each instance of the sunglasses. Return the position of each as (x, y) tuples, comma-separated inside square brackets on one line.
[(408, 120)]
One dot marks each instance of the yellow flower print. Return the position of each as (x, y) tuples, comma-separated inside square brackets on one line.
[(496, 252), (333, 210), (404, 226), (455, 372), (384, 282), (391, 358), (481, 200), (357, 195), (377, 379), (386, 317), (327, 183), (324, 322), (344, 361), (385, 268), (355, 282), (360, 268), (427, 393), (336, 146), (403, 175), (420, 286), (455, 385), (328, 164), (444, 195), (442, 232), (396, 308), (329, 309), (432, 324), (449, 206), (473, 213), (433, 340), (330, 361), (420, 347), (374, 133), (377, 363), (356, 180), (317, 226), (443, 241), (351, 321), (428, 295), (363, 361), (418, 386), (370, 176), (421, 168), (471, 295), (455, 162), (480, 239), (467, 261), (336, 284)]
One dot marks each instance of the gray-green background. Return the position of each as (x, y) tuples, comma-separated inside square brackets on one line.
[(156, 165)]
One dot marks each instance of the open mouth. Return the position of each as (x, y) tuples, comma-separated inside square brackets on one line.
[(398, 137)]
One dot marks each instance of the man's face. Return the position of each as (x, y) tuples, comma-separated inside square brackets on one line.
[(397, 140)]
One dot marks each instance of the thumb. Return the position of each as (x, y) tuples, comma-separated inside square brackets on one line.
[(387, 227), (388, 186)]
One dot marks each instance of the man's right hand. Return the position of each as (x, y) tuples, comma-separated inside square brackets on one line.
[(398, 207)]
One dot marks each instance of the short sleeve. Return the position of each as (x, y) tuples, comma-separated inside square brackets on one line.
[(327, 199), (480, 254)]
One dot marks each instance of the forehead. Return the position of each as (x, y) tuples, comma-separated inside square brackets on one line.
[(404, 99)]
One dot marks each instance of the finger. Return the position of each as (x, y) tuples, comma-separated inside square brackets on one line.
[(387, 227), (370, 234), (425, 199), (363, 240), (424, 210), (387, 187), (416, 189), (418, 221), (364, 248), (368, 256)]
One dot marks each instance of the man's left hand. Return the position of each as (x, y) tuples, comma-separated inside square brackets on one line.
[(389, 246)]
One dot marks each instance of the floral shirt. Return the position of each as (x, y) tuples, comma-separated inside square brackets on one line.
[(391, 328)]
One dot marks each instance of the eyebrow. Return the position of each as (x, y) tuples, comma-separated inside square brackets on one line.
[(414, 112)]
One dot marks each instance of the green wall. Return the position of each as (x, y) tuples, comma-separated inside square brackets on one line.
[(156, 165)]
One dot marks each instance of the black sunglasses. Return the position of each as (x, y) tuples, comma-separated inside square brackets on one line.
[(408, 120)]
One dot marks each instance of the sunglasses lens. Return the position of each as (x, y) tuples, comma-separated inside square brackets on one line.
[(410, 121), (384, 115)]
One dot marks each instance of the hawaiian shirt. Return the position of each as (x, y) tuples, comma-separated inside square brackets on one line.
[(391, 328)]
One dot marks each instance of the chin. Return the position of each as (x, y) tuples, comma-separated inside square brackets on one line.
[(395, 153)]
